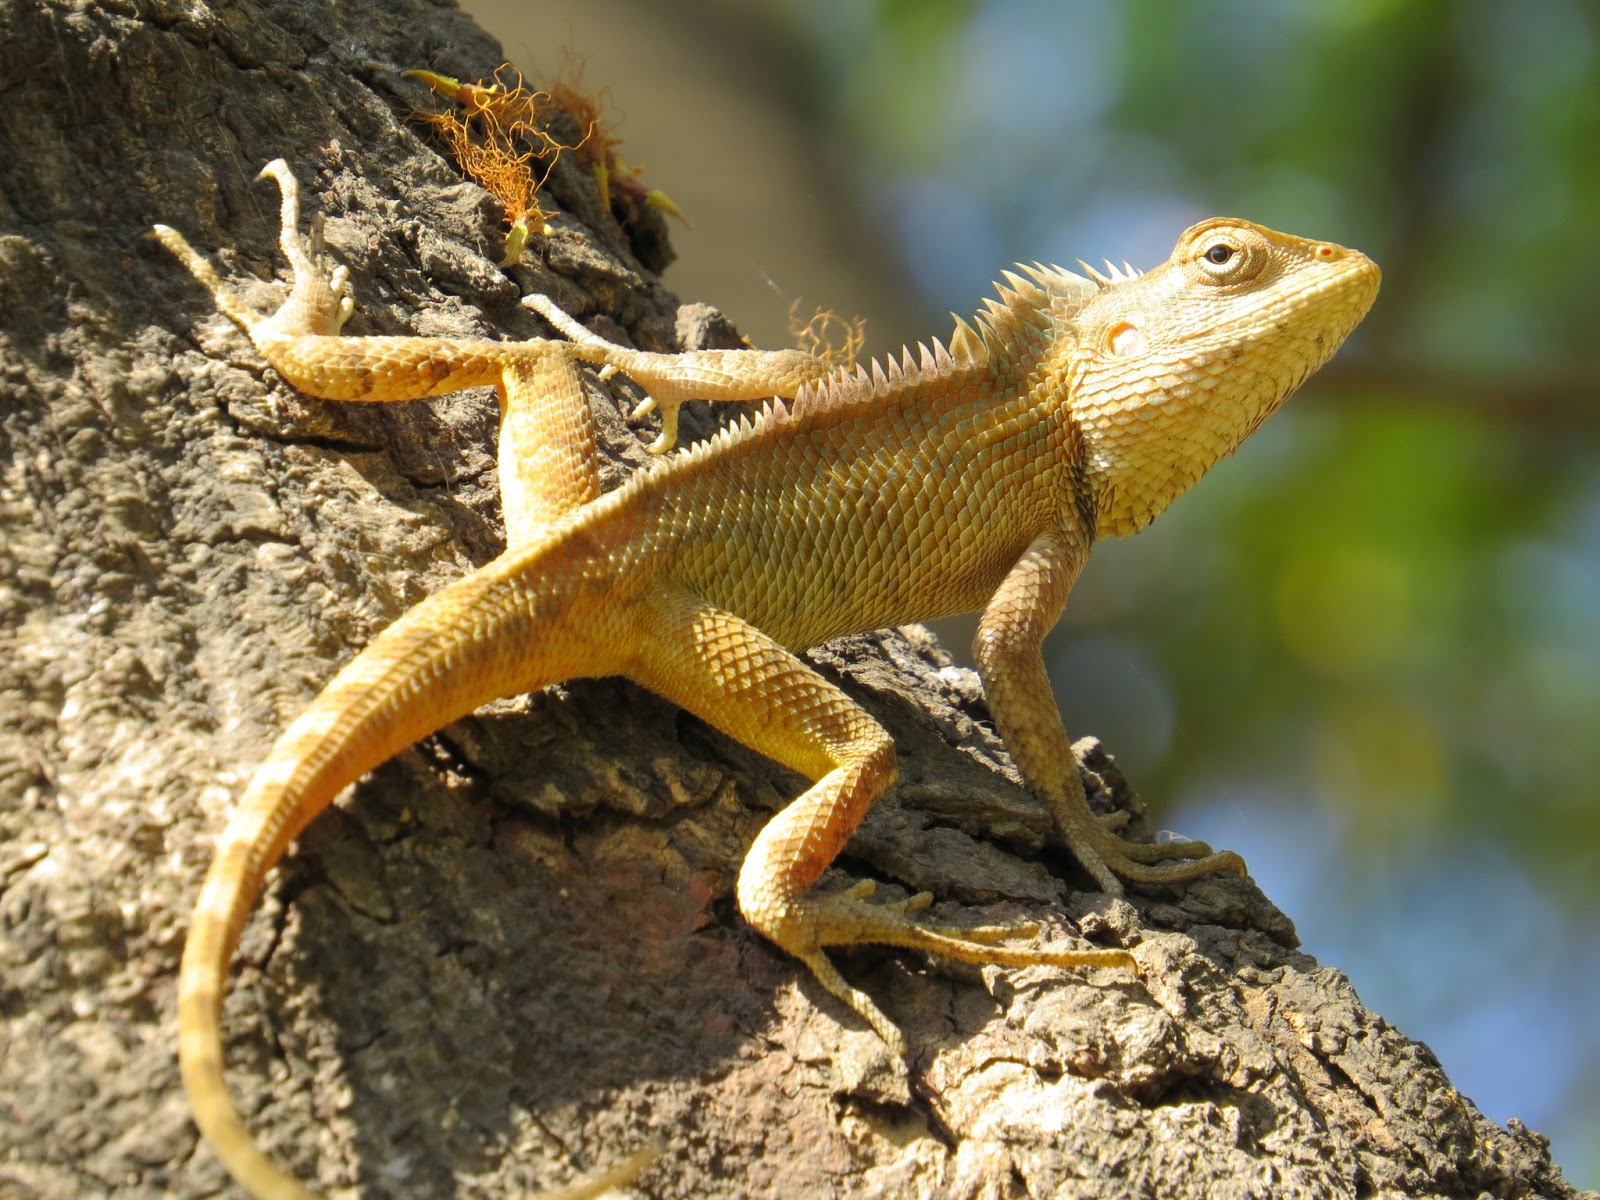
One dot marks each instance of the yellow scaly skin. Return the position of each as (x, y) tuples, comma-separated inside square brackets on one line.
[(973, 478)]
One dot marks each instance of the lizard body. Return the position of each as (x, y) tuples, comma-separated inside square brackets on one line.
[(961, 479)]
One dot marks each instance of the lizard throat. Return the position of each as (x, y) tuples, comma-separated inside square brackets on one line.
[(1151, 435)]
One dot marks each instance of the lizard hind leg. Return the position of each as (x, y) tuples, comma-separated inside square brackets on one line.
[(319, 301), (200, 267), (738, 679)]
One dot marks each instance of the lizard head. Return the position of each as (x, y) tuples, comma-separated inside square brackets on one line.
[(1172, 369)]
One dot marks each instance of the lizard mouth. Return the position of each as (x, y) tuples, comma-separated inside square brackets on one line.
[(1323, 306), (1345, 292)]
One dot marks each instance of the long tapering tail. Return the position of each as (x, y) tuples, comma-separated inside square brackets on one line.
[(462, 647)]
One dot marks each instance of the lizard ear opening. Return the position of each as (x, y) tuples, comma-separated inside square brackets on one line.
[(1125, 339)]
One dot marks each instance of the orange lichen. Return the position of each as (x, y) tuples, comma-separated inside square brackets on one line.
[(500, 139)]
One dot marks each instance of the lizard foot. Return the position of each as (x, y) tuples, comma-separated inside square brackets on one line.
[(984, 934), (319, 302), (805, 927), (1112, 859), (596, 350)]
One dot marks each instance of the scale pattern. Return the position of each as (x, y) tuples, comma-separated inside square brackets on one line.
[(973, 477)]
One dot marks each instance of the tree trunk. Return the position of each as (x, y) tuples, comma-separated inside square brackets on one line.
[(511, 956)]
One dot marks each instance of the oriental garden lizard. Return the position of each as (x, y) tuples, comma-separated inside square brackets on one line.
[(962, 478)]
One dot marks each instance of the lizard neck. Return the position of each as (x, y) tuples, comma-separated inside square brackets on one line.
[(1148, 440)]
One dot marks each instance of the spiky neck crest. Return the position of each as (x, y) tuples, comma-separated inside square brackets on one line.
[(1170, 371)]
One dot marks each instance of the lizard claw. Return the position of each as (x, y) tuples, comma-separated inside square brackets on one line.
[(865, 889), (319, 303), (668, 437), (619, 1175), (1111, 859), (807, 926)]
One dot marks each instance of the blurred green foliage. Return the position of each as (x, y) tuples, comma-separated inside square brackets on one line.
[(1387, 608)]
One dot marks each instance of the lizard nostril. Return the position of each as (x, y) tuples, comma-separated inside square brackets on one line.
[(1325, 252)]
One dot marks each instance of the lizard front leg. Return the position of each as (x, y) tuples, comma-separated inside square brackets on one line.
[(737, 678), (1021, 612)]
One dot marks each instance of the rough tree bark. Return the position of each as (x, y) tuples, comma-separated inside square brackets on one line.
[(511, 955)]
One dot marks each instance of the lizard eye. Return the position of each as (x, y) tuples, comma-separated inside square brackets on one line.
[(1225, 261)]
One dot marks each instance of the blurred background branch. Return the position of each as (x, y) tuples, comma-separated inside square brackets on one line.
[(1551, 401)]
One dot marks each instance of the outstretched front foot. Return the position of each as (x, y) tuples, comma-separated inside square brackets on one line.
[(670, 379), (805, 927)]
